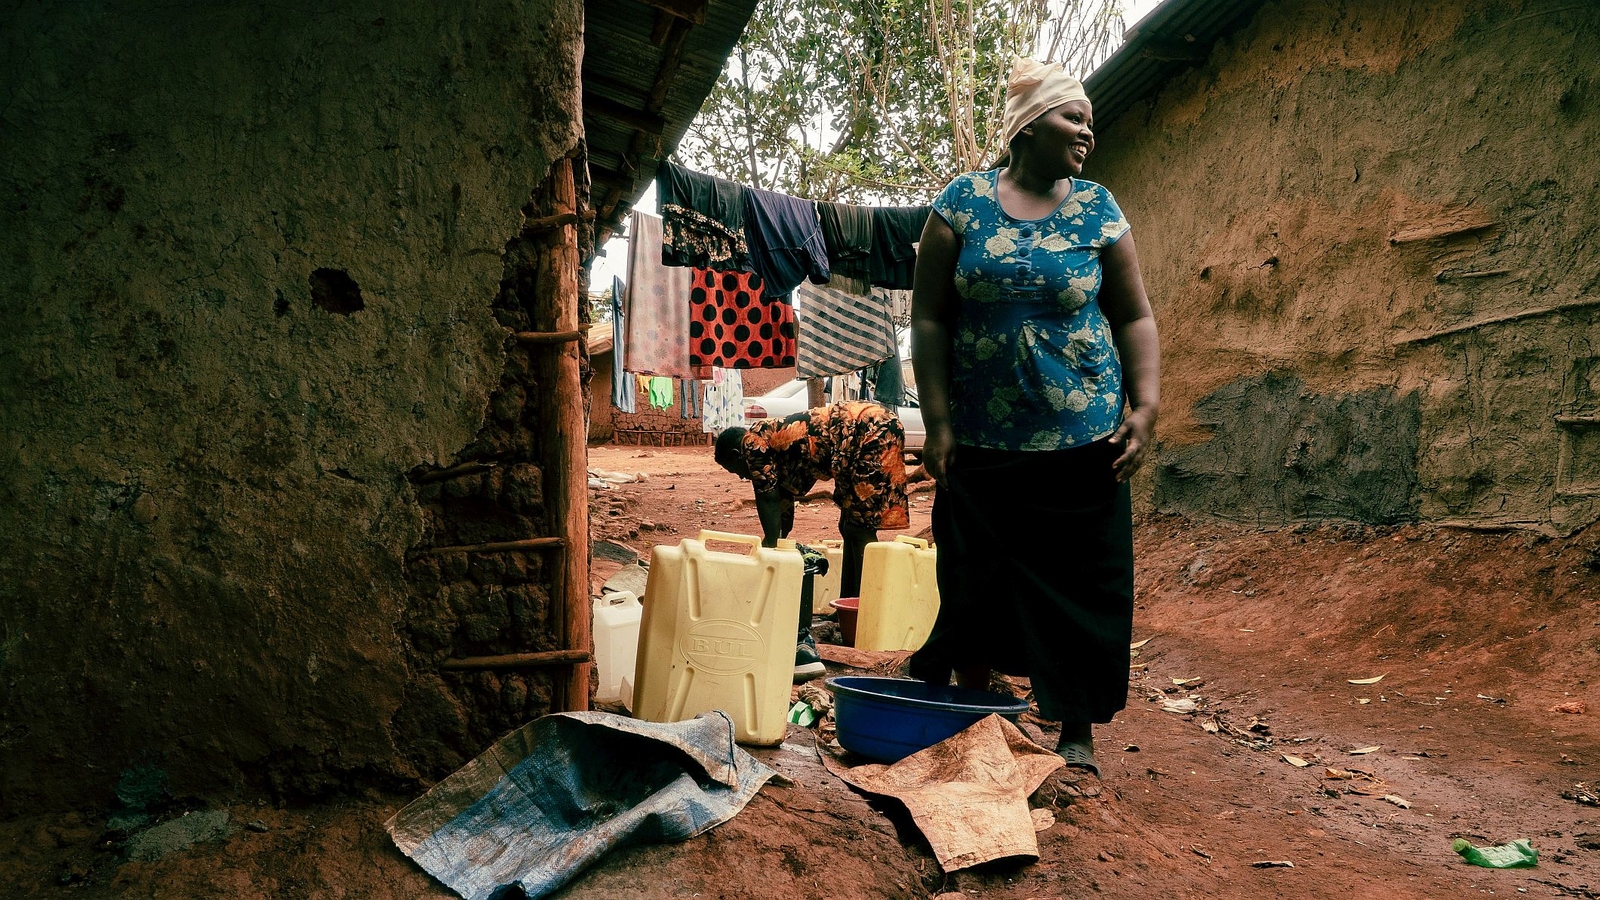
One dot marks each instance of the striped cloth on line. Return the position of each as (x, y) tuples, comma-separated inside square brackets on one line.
[(840, 330)]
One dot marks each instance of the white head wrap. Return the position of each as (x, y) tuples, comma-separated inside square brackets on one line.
[(1034, 88)]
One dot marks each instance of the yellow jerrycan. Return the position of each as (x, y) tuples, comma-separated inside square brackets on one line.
[(719, 633), (826, 587), (899, 594)]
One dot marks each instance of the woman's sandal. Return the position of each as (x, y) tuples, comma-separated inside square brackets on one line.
[(1079, 755)]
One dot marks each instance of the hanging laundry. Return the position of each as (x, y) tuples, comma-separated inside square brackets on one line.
[(657, 306), (733, 324), (888, 384), (842, 328), (786, 245), (660, 392), (702, 220), (621, 386), (847, 234), (895, 229), (899, 305), (689, 405), (724, 401), (842, 388)]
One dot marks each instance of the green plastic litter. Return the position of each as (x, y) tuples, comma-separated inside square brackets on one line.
[(1518, 854), (802, 714)]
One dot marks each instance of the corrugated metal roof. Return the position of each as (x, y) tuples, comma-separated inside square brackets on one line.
[(646, 71), (1174, 37)]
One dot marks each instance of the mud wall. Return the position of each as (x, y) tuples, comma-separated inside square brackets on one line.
[(1371, 233), (249, 255), (663, 427)]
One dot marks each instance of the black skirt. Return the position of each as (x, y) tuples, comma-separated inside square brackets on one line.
[(1036, 576)]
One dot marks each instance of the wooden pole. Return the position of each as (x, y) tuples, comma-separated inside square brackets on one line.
[(527, 544), (562, 432), (548, 337), (518, 660), (814, 393)]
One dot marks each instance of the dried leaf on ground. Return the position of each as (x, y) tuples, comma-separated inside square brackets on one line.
[(1183, 706), (1345, 774), (1571, 707), (1137, 644), (1042, 818), (1397, 800), (1361, 751), (1491, 699), (1373, 680), (1273, 864), (1582, 794), (820, 698), (1218, 725), (1295, 761)]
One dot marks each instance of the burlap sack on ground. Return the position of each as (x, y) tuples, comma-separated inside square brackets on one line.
[(968, 794)]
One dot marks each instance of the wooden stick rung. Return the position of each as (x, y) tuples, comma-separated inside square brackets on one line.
[(529, 544), (550, 223), (547, 337), (460, 470), (518, 660)]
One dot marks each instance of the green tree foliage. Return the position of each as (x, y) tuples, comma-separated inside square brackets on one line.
[(881, 100)]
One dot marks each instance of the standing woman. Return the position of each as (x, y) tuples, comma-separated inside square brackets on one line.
[(1038, 369)]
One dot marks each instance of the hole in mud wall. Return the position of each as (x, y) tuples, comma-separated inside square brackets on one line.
[(335, 291)]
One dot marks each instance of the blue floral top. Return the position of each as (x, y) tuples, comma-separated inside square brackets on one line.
[(1033, 366)]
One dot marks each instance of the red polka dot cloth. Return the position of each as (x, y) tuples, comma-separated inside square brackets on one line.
[(732, 325)]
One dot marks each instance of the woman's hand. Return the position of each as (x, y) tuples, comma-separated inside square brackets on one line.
[(1134, 437), (937, 448)]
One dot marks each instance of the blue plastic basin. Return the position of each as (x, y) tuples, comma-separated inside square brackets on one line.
[(888, 719)]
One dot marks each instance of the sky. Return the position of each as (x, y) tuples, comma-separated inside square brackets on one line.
[(614, 259)]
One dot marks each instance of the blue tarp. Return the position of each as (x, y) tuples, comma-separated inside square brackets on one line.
[(552, 797)]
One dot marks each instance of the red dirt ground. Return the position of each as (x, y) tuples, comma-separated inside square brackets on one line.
[(1482, 640)]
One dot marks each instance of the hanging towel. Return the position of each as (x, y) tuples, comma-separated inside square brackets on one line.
[(899, 305), (724, 403), (842, 328), (621, 385), (733, 324), (657, 308), (888, 385), (786, 245), (847, 234), (660, 392), (689, 407), (895, 229), (702, 220)]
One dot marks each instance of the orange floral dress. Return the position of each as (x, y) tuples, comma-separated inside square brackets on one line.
[(857, 443)]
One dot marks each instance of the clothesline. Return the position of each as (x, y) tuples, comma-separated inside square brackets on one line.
[(749, 254), (714, 223)]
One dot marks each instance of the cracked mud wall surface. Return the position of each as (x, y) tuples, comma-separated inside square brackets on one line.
[(249, 257), (1396, 206)]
